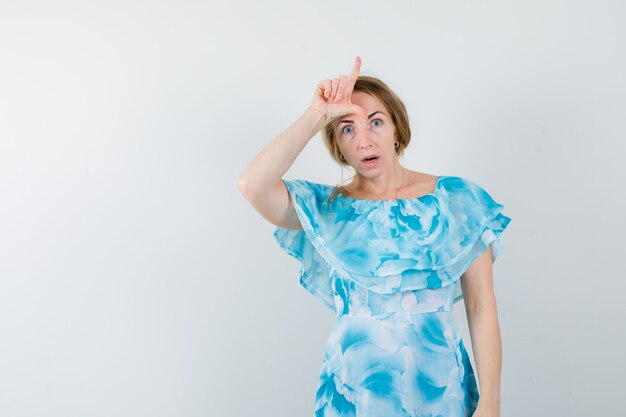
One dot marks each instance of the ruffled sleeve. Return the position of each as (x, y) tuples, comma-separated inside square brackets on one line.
[(315, 273), (478, 221)]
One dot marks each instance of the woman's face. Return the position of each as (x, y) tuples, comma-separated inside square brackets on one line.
[(359, 138)]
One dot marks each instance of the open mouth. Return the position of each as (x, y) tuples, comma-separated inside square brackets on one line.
[(369, 158)]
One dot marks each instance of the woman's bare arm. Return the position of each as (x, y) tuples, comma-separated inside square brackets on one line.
[(260, 182), (482, 317)]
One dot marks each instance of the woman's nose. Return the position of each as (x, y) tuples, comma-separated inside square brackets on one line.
[(364, 138)]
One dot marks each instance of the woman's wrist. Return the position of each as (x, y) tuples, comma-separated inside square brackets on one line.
[(319, 120), (489, 401)]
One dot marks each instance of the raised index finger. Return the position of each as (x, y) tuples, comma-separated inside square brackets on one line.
[(356, 69)]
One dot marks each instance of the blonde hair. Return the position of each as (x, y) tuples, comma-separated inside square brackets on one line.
[(397, 110)]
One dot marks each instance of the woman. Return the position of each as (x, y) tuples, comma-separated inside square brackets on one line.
[(386, 253)]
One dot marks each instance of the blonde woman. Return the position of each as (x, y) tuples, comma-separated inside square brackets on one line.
[(389, 253)]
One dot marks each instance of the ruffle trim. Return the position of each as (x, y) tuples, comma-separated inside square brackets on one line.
[(319, 263), (315, 272)]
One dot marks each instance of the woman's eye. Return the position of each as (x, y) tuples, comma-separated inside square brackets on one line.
[(377, 122), (347, 130)]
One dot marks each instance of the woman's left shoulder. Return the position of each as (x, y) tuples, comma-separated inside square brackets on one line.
[(457, 182)]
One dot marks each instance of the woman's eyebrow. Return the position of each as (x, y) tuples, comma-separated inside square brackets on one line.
[(369, 117)]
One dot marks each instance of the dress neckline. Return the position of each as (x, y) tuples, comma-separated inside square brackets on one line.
[(433, 194)]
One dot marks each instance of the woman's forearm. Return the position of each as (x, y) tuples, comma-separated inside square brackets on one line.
[(267, 168), (487, 347)]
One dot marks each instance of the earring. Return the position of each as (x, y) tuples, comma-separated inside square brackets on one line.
[(341, 156), (397, 144)]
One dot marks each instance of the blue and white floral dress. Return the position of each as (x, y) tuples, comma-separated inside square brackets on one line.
[(389, 270)]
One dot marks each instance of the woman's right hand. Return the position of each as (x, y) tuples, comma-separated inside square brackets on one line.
[(332, 97)]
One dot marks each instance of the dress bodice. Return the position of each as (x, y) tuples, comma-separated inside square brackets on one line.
[(391, 255)]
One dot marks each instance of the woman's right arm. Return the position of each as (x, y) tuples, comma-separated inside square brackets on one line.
[(260, 182)]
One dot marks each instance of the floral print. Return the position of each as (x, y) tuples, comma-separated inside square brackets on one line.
[(389, 270)]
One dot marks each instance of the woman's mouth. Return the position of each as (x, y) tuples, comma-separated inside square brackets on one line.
[(370, 161)]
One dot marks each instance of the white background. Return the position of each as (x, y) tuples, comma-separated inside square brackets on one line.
[(135, 280)]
